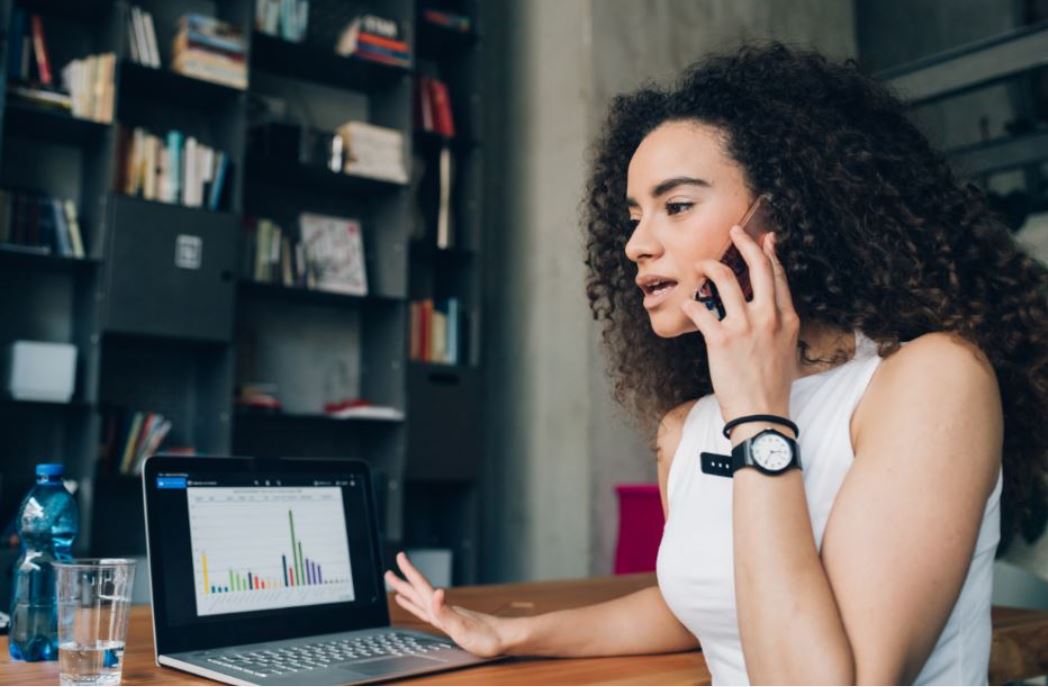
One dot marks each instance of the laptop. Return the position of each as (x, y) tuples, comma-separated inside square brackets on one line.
[(268, 572)]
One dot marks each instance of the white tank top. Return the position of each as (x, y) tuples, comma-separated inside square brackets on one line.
[(695, 562)]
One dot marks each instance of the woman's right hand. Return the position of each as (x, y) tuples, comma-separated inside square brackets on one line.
[(477, 633)]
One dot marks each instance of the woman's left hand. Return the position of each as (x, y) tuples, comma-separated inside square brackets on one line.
[(753, 351)]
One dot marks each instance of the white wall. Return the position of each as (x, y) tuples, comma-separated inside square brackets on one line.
[(557, 444)]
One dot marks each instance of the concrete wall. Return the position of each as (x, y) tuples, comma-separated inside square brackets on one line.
[(556, 442)]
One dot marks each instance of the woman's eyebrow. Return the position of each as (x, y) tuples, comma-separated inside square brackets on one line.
[(668, 185)]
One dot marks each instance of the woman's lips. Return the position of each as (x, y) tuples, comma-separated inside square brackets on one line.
[(656, 296)]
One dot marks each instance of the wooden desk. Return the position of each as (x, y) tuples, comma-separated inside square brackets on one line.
[(1020, 645)]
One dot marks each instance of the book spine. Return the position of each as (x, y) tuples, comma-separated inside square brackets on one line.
[(73, 223), (453, 331), (221, 172), (445, 122), (260, 238), (380, 42), (174, 167), (367, 53), (40, 49), (138, 29), (58, 220), (150, 32), (188, 39)]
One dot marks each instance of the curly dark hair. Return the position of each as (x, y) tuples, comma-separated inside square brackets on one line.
[(876, 234)]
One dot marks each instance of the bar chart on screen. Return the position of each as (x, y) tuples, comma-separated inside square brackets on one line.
[(265, 548)]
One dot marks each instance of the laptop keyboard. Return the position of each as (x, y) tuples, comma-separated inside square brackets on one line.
[(338, 652)]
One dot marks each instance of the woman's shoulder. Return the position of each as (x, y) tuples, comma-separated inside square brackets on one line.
[(929, 364), (671, 429)]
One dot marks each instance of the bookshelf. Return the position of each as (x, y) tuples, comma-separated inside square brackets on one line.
[(155, 335)]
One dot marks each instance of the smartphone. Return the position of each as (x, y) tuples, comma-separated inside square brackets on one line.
[(756, 222)]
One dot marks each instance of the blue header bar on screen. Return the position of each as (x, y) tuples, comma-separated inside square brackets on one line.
[(170, 482)]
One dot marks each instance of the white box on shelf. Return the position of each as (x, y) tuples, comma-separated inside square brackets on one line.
[(40, 371)]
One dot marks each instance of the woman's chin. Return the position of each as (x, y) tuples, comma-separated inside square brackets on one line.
[(668, 325)]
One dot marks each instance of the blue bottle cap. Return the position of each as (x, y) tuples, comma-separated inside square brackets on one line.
[(50, 470)]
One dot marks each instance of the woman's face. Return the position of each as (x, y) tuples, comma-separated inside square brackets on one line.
[(684, 194)]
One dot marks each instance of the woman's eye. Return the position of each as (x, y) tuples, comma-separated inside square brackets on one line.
[(674, 208), (632, 224)]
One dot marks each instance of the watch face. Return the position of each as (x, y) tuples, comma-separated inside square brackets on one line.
[(772, 452)]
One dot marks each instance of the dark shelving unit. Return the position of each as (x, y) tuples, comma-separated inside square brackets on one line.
[(15, 260), (310, 63), (314, 177), (50, 124), (298, 294), (436, 41), (155, 336), (159, 83)]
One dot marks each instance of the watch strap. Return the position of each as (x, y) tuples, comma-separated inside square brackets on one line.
[(716, 464)]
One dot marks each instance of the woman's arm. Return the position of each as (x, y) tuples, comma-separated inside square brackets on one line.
[(898, 541), (638, 623)]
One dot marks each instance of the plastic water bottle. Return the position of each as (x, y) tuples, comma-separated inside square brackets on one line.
[(48, 521)]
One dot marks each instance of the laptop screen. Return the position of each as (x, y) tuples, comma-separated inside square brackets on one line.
[(245, 551)]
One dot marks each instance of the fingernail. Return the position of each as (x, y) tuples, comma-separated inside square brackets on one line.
[(736, 229)]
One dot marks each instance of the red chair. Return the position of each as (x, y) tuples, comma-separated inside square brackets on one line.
[(640, 528)]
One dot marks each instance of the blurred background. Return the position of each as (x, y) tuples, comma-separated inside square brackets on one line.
[(351, 229)]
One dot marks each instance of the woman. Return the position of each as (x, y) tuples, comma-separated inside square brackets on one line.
[(892, 322)]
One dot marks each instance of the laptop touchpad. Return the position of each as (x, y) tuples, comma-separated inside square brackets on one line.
[(388, 666)]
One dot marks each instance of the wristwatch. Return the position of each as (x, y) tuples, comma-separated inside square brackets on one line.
[(770, 452)]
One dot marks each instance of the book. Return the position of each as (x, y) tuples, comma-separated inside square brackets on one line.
[(221, 172), (69, 208), (373, 151), (444, 229), (150, 34), (448, 20), (443, 120), (42, 97), (374, 38), (335, 249), (43, 63), (89, 82)]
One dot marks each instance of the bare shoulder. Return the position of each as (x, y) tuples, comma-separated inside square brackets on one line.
[(937, 373), (670, 430), (666, 443)]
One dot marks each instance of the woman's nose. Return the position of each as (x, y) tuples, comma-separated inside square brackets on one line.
[(641, 244)]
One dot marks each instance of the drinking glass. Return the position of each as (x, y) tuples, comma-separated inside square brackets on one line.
[(93, 599)]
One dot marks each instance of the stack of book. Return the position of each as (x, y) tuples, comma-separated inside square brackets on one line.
[(175, 169), (448, 20), (326, 254), (90, 83), (130, 438), (31, 77), (209, 49), (437, 331), (274, 256), (141, 38), (375, 39), (287, 19), (40, 223), (373, 151), (433, 107)]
